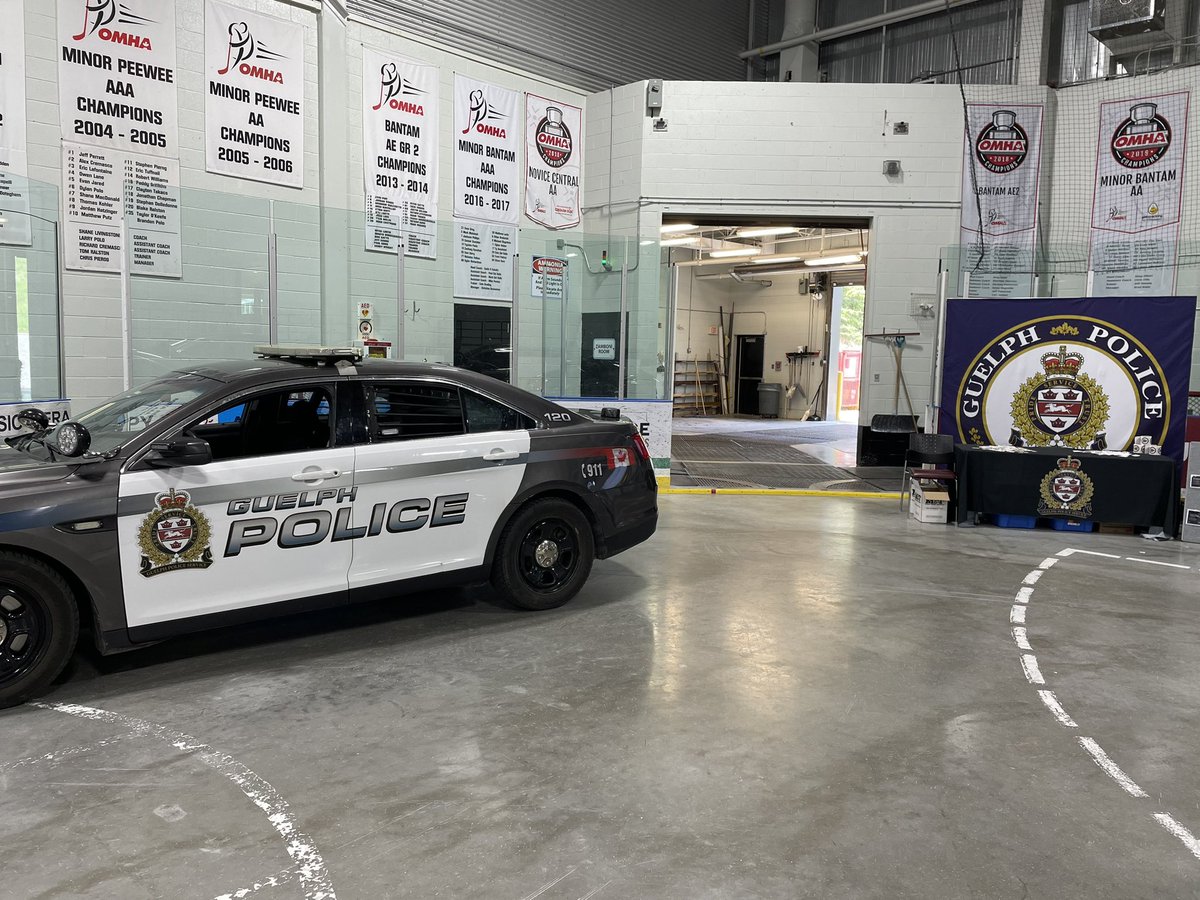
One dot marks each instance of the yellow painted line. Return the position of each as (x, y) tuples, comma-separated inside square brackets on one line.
[(783, 492)]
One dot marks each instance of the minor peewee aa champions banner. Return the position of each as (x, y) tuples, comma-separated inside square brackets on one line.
[(1081, 374), (553, 161), (1138, 199)]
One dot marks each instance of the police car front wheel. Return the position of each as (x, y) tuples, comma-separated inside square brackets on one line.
[(545, 555), (39, 624)]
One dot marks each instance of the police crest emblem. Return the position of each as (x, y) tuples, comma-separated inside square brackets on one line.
[(1066, 491), (1061, 406), (174, 536)]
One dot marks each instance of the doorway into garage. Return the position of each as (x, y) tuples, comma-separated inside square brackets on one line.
[(767, 329)]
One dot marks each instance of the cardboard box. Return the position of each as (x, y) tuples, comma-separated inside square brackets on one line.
[(929, 502)]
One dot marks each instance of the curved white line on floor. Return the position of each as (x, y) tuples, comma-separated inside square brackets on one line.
[(314, 877), (1034, 676)]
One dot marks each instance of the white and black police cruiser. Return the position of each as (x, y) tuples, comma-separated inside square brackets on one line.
[(303, 479)]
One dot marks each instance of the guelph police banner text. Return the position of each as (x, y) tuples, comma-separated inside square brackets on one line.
[(253, 95), (486, 147), (553, 161), (400, 153), (1081, 374), (1138, 194), (1001, 162)]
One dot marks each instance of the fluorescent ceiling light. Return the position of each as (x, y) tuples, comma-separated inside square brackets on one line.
[(678, 242), (648, 243), (834, 260), (740, 251), (676, 228), (766, 232), (775, 259)]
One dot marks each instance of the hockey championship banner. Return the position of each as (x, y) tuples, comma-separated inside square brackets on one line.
[(14, 181), (553, 161), (1001, 163), (117, 76), (1081, 374), (1138, 195), (486, 147), (253, 95), (400, 153)]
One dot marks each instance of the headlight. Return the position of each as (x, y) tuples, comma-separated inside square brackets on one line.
[(72, 439)]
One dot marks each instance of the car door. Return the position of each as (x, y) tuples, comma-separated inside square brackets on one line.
[(440, 466), (264, 522)]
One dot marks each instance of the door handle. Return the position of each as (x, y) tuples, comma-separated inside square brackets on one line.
[(499, 455), (316, 474)]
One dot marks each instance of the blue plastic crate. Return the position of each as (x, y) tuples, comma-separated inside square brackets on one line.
[(1072, 525), (1006, 521)]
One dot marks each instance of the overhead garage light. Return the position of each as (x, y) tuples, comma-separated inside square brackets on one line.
[(740, 251), (676, 228), (834, 260), (767, 232), (775, 259), (677, 242)]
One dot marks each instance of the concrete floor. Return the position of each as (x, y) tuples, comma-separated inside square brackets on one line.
[(776, 697)]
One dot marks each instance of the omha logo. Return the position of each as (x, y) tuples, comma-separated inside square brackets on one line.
[(1143, 138), (1003, 144), (392, 87), (243, 49), (99, 15), (553, 138), (481, 112)]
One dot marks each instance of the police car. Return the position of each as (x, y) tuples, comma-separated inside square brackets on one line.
[(306, 478)]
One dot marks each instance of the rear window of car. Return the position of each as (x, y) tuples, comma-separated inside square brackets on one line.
[(406, 411)]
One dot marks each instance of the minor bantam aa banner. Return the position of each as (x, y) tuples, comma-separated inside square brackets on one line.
[(1138, 195), (553, 161), (1081, 374), (1001, 163), (487, 135)]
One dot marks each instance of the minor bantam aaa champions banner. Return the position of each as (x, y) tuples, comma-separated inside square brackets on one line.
[(1001, 163), (253, 95), (1081, 374), (487, 135), (1138, 195), (553, 161)]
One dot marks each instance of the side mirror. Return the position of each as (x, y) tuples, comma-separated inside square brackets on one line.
[(34, 419), (183, 451)]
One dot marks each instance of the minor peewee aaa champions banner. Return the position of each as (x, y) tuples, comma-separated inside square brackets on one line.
[(1001, 163), (1138, 194), (553, 161), (400, 158), (1081, 374), (253, 95), (487, 134)]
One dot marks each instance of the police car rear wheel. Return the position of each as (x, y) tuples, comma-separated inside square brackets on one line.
[(545, 555), (39, 625)]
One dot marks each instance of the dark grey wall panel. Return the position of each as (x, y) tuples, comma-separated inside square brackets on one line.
[(587, 45)]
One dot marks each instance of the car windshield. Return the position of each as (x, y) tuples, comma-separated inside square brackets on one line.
[(126, 415)]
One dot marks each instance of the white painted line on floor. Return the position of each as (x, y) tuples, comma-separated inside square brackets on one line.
[(1032, 577), (1017, 615), (314, 877), (1185, 836), (1032, 672), (1111, 768), (1155, 562), (1024, 594), (1048, 562), (1056, 709), (1071, 550), (287, 876), (65, 753), (1021, 638)]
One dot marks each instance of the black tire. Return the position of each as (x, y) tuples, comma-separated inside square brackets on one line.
[(39, 626), (545, 555)]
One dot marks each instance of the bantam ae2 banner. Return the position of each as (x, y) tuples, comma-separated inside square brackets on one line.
[(1138, 197), (1081, 374)]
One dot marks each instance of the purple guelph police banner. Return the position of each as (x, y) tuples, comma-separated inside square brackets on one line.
[(1082, 374)]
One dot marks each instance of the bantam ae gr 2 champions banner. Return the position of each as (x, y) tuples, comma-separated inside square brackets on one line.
[(1081, 374)]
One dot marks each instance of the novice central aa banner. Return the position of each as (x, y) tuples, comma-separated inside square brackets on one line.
[(1138, 194), (1080, 374), (553, 161), (253, 95), (400, 158), (1001, 163), (486, 143)]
